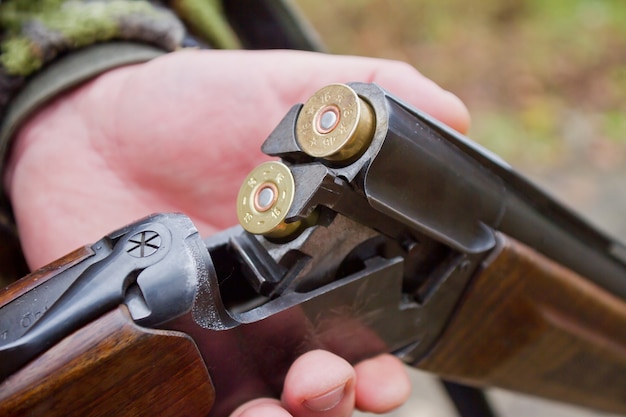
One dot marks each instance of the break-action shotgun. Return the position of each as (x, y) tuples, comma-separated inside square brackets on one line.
[(375, 229)]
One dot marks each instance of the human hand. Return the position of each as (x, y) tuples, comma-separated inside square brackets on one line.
[(175, 134), (178, 134)]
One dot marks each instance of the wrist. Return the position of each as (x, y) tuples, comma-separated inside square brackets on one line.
[(59, 140)]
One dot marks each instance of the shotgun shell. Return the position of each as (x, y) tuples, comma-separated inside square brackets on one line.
[(335, 124), (264, 200)]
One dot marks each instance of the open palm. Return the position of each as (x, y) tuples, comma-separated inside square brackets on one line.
[(178, 133)]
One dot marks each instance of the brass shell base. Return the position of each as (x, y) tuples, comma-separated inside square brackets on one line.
[(335, 124)]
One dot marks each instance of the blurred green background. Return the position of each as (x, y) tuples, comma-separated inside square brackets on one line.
[(535, 74), (545, 80)]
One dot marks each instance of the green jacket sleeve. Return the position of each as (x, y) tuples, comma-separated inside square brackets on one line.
[(35, 33)]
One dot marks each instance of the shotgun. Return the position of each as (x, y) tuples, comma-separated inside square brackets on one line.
[(375, 229)]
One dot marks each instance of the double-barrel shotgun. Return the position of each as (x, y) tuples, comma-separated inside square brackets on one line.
[(374, 229)]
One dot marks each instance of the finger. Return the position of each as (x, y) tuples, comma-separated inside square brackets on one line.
[(216, 107), (319, 384), (382, 384), (293, 76), (263, 407), (313, 71)]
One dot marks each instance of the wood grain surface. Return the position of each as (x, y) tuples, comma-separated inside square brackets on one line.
[(530, 325), (112, 368)]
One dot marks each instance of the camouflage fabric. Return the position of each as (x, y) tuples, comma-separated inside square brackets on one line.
[(36, 32)]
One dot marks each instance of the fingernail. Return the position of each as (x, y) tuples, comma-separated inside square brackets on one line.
[(325, 401)]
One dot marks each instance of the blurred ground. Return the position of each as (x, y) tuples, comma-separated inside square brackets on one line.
[(545, 82)]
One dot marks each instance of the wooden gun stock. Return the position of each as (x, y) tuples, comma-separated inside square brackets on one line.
[(109, 367), (530, 325)]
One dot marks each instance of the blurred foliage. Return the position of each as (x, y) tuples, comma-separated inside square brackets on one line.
[(545, 81)]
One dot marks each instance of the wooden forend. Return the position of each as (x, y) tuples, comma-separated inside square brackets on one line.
[(530, 325)]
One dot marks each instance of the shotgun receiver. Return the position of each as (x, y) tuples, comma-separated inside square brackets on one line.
[(379, 230)]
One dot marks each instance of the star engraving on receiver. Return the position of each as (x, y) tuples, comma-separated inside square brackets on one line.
[(143, 244)]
